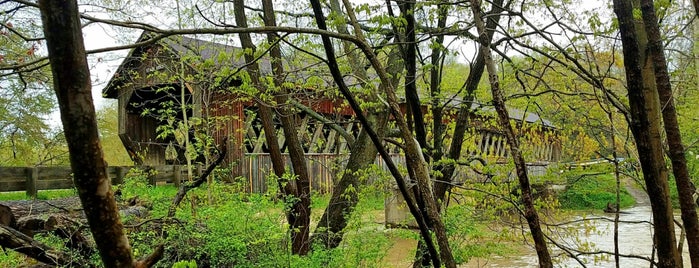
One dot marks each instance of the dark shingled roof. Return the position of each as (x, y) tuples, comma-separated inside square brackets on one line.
[(301, 70), (181, 45)]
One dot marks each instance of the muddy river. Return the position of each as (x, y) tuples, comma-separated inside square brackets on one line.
[(634, 239)]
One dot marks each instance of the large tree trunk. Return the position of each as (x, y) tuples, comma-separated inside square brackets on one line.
[(329, 230), (672, 130), (498, 101), (71, 77), (300, 209), (645, 127), (437, 60), (298, 215), (265, 111)]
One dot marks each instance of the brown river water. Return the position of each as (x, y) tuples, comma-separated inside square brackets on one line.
[(634, 239)]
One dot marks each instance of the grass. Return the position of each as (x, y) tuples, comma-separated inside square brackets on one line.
[(594, 192), (41, 195)]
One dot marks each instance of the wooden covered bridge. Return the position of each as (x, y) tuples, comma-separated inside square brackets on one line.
[(161, 84)]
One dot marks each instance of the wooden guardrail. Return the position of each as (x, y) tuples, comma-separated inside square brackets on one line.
[(33, 179), (256, 168), (322, 169)]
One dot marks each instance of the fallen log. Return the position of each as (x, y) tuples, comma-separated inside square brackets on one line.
[(56, 217), (62, 217), (23, 208), (19, 242), (60, 226)]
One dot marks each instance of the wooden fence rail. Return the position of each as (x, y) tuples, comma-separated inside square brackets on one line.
[(257, 168), (33, 179), (322, 168)]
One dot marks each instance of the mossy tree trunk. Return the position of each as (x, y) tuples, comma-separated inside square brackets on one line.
[(644, 121), (672, 130), (345, 194), (298, 215), (301, 207)]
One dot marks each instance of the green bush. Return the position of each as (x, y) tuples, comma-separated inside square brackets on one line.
[(593, 192)]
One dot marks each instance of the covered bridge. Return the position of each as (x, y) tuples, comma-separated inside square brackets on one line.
[(180, 79)]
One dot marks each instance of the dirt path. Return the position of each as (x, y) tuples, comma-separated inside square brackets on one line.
[(640, 195), (401, 254)]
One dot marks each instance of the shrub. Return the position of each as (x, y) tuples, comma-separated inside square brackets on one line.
[(593, 192)]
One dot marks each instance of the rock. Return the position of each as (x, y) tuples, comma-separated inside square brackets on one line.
[(134, 211), (610, 208)]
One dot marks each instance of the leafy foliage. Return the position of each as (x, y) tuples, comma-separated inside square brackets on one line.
[(26, 99), (114, 152)]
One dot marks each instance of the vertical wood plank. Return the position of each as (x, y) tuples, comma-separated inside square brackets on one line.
[(315, 146), (330, 143), (177, 179), (120, 175), (259, 141), (32, 178), (487, 145)]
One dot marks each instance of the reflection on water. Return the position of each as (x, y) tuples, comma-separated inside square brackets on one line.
[(634, 239)]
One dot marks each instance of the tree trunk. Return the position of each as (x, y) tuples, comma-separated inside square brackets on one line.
[(413, 147), (329, 230), (462, 116), (300, 209), (672, 130), (407, 10), (498, 101), (265, 112), (645, 127), (437, 59), (71, 77), (297, 212)]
